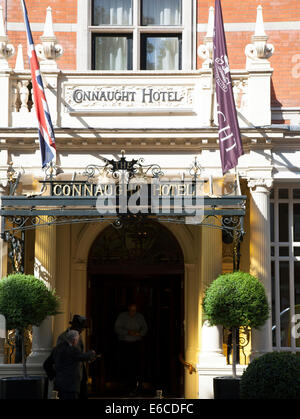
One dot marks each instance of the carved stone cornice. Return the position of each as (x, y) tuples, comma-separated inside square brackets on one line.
[(260, 184)]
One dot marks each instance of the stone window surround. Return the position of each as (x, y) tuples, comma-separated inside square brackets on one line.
[(85, 30), (275, 258)]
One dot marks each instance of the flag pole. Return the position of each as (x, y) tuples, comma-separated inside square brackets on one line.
[(212, 99), (230, 141), (45, 127), (238, 185)]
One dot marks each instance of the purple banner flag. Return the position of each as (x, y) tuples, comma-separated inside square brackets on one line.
[(229, 133)]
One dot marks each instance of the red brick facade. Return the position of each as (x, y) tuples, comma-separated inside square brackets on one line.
[(285, 61), (286, 58)]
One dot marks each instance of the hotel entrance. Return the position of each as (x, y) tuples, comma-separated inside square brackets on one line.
[(142, 263)]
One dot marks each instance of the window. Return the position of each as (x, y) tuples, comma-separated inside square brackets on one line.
[(112, 12), (161, 12), (141, 35), (285, 267), (161, 52), (112, 52)]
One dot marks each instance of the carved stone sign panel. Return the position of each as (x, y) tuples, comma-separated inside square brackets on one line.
[(104, 98)]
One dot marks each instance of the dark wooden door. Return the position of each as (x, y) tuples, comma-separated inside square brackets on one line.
[(160, 299)]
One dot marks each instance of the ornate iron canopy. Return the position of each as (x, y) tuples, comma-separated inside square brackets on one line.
[(120, 191)]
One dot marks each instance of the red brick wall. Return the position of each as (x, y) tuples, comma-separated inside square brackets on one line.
[(63, 11), (286, 58), (285, 61), (245, 10)]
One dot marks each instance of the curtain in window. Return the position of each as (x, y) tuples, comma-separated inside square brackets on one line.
[(112, 12), (111, 53), (161, 12), (162, 53)]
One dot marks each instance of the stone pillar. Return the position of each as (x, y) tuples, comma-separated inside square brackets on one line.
[(211, 357), (260, 73), (211, 268), (205, 52), (191, 319), (44, 268), (2, 357), (6, 51), (62, 285), (48, 52), (2, 337), (260, 261)]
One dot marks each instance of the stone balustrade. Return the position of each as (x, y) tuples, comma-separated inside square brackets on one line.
[(80, 99), (92, 98)]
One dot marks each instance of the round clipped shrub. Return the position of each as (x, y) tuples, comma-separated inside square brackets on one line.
[(275, 375), (236, 299), (25, 301)]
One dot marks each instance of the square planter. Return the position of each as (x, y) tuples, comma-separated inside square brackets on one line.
[(23, 388), (226, 388)]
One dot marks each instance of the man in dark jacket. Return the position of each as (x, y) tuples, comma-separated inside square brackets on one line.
[(65, 364), (78, 323)]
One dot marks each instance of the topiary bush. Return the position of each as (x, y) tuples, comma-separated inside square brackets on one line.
[(275, 375), (234, 300), (24, 301)]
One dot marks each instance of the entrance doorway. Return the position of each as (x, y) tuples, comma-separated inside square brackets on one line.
[(143, 263)]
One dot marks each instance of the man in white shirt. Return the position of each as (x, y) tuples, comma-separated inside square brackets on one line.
[(130, 327)]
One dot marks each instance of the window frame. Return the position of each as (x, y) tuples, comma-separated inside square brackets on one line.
[(141, 15), (92, 16), (186, 29), (128, 37), (275, 201), (143, 51)]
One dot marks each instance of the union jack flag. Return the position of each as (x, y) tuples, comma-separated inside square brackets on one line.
[(46, 132)]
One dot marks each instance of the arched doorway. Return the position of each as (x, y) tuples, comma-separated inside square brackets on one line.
[(141, 262)]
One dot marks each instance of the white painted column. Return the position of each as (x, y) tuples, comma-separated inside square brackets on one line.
[(83, 47), (78, 288), (211, 268), (7, 50), (5, 115), (211, 357), (2, 341), (260, 259), (62, 283), (191, 326), (205, 52), (259, 75), (44, 268)]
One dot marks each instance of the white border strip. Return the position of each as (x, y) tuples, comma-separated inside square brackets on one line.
[(39, 27), (250, 27), (201, 27)]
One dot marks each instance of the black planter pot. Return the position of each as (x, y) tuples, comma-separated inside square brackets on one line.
[(226, 388), (23, 388)]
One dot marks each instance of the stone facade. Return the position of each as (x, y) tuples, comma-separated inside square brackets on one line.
[(165, 118)]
